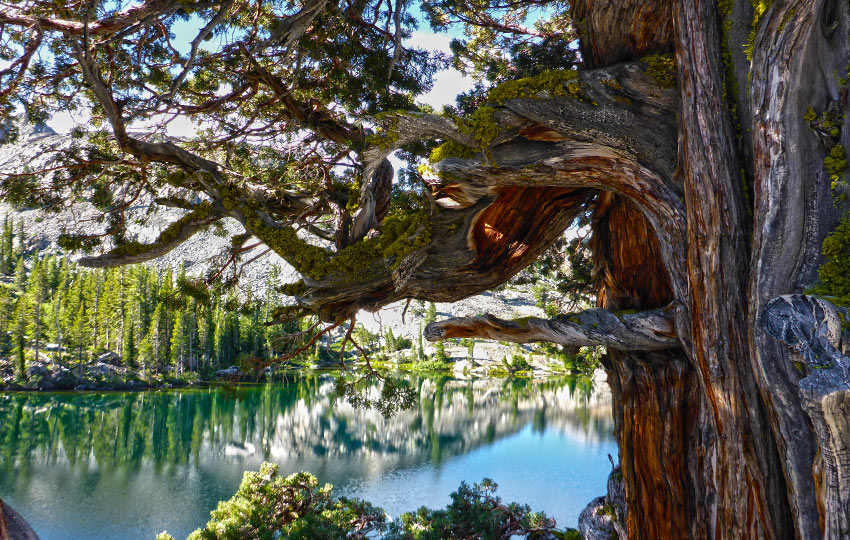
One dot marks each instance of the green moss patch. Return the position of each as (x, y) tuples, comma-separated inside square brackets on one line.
[(400, 236), (662, 69), (552, 81), (451, 149), (834, 273)]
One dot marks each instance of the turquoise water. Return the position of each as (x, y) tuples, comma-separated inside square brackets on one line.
[(130, 465)]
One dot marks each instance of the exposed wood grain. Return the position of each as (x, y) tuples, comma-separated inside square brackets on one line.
[(647, 330), (614, 31)]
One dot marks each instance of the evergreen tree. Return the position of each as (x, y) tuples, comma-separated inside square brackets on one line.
[(78, 333), (19, 252), (420, 351), (146, 355), (389, 341), (209, 341), (128, 346), (20, 276), (180, 340), (36, 295), (158, 337), (6, 318), (19, 332), (430, 314), (440, 352), (7, 264)]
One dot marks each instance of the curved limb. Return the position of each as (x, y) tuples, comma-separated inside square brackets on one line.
[(645, 331)]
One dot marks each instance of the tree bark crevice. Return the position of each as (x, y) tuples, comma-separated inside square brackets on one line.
[(814, 331)]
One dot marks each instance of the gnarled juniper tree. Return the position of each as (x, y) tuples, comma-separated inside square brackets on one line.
[(703, 141)]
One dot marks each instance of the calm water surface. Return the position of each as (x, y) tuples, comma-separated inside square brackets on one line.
[(130, 465)]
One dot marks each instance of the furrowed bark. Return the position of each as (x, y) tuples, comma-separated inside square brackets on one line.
[(795, 58), (737, 501), (613, 32), (649, 330), (815, 333)]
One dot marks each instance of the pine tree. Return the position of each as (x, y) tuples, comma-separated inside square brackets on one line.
[(37, 294), (440, 352), (78, 333), (128, 346), (420, 351), (19, 251), (19, 336), (6, 318), (180, 340), (389, 341), (157, 336), (20, 276), (430, 314), (146, 354), (8, 261)]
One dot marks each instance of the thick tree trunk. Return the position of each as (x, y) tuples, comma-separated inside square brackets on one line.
[(657, 417), (709, 200), (814, 332)]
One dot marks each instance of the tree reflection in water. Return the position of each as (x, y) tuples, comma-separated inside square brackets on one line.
[(124, 436)]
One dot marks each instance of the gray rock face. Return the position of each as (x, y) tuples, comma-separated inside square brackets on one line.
[(227, 372), (39, 370), (38, 147), (103, 370), (596, 521), (109, 357)]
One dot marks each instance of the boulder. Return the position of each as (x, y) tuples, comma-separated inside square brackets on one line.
[(596, 521), (37, 369), (227, 372), (110, 357), (101, 369)]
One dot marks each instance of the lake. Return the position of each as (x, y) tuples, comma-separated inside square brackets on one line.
[(129, 465)]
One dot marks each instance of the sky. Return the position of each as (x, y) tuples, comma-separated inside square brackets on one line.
[(447, 83)]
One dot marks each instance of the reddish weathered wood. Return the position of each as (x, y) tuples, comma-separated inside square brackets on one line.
[(614, 31), (717, 267)]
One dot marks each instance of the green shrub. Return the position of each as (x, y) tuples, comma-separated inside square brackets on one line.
[(475, 512), (268, 507)]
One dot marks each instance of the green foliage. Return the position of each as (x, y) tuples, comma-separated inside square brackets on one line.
[(427, 366), (267, 507), (474, 512), (834, 273), (451, 149), (149, 318), (440, 352), (430, 314), (395, 395), (469, 343), (517, 363)]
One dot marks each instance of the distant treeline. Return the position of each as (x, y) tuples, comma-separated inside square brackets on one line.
[(153, 319)]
